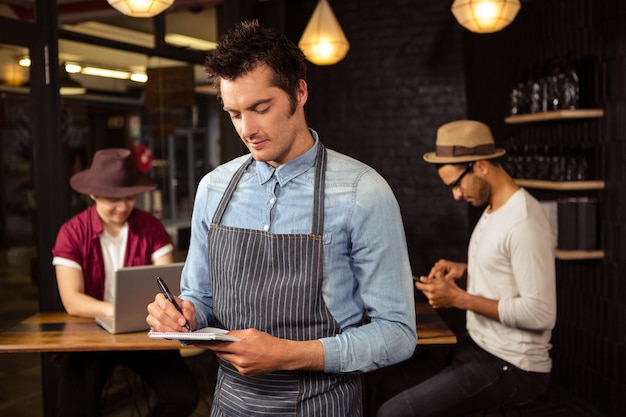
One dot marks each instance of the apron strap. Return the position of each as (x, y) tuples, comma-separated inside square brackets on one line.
[(317, 222), (232, 185)]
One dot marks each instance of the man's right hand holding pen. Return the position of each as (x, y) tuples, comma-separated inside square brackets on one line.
[(163, 316)]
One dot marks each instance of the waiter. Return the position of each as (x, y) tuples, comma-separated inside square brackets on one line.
[(293, 248)]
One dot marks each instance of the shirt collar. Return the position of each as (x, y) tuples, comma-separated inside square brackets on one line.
[(286, 172), (96, 223)]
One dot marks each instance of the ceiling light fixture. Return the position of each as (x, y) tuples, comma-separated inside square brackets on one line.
[(190, 42), (117, 74), (323, 41), (139, 77), (485, 16), (106, 73), (72, 68), (140, 8), (67, 86)]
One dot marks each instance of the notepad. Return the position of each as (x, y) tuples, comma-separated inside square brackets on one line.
[(205, 334)]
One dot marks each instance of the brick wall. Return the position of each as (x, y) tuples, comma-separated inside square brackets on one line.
[(402, 77)]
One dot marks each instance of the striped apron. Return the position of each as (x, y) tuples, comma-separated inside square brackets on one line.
[(273, 283)]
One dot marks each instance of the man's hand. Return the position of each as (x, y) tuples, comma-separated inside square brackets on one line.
[(448, 269), (163, 316), (441, 292), (258, 353)]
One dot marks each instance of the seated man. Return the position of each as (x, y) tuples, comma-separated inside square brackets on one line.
[(510, 300), (89, 248)]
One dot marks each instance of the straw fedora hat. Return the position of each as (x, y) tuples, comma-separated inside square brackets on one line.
[(113, 173), (463, 141)]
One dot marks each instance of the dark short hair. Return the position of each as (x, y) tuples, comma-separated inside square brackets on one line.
[(249, 45)]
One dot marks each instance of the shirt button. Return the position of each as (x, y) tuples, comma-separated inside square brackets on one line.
[(266, 227), (272, 200)]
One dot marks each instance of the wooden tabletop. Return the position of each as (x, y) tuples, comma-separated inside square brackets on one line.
[(60, 332), (431, 329)]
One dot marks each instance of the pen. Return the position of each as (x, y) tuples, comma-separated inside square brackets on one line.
[(166, 292)]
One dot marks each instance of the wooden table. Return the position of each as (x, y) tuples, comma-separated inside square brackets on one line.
[(60, 332), (431, 329)]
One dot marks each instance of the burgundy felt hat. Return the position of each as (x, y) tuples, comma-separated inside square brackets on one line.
[(113, 173)]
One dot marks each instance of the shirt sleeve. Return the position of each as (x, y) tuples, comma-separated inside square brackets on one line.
[(67, 243), (163, 250), (532, 262), (161, 240), (57, 260), (378, 259), (196, 269)]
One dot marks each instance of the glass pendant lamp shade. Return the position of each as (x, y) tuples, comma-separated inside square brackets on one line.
[(485, 16), (323, 41), (140, 8)]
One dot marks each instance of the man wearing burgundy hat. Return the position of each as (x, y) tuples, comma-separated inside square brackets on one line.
[(510, 300), (90, 246)]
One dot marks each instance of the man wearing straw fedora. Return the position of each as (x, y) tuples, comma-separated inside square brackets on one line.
[(90, 246), (510, 301)]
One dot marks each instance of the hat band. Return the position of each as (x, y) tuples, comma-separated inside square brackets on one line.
[(487, 149)]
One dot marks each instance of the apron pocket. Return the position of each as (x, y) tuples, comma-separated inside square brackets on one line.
[(270, 395)]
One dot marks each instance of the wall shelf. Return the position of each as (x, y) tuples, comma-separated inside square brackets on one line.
[(574, 255), (561, 185), (555, 115), (564, 255)]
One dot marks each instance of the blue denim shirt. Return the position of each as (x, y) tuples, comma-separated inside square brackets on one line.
[(366, 265)]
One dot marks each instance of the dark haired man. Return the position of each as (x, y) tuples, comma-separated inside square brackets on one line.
[(290, 247), (510, 300)]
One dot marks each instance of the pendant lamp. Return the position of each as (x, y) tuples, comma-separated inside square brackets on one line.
[(485, 16), (140, 8), (323, 42)]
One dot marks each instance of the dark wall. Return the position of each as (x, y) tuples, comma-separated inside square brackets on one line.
[(382, 104), (589, 341)]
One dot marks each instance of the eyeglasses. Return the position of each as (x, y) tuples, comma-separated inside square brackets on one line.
[(456, 183)]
